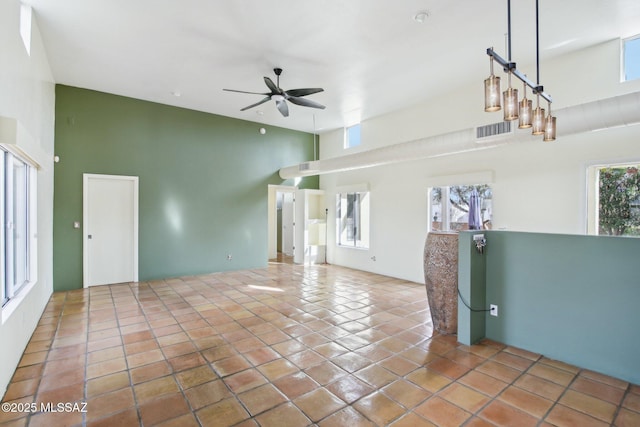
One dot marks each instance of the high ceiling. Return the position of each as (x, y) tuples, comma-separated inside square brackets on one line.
[(370, 56)]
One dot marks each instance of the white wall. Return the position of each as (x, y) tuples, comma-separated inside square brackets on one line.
[(28, 95), (538, 187)]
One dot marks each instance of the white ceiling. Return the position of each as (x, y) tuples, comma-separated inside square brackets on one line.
[(370, 56)]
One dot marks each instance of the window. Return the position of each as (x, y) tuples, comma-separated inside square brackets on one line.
[(449, 207), (631, 58), (353, 219), (25, 26), (17, 186), (617, 194), (352, 136)]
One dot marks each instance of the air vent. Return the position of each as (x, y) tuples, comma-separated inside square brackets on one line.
[(304, 166), (492, 130)]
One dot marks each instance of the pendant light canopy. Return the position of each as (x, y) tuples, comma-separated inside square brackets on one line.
[(514, 110)]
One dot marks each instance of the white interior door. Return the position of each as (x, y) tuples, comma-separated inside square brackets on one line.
[(287, 224), (110, 232)]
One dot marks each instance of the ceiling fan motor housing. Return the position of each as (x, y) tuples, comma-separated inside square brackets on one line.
[(281, 96)]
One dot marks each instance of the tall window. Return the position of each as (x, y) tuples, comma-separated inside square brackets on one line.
[(353, 219), (450, 207), (352, 136), (618, 200), (631, 58), (17, 180)]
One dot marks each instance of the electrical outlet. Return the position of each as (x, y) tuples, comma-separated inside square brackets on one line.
[(493, 310), (229, 257)]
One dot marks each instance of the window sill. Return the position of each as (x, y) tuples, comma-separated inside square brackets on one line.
[(11, 306), (353, 247)]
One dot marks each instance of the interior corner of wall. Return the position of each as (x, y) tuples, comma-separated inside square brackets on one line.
[(17, 139), (8, 130)]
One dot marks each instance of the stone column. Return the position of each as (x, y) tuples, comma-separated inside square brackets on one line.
[(441, 280)]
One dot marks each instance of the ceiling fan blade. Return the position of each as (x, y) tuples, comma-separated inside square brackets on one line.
[(305, 102), (303, 92), (271, 85), (257, 103), (242, 91), (283, 108)]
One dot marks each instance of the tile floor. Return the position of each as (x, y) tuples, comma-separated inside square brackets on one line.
[(288, 346)]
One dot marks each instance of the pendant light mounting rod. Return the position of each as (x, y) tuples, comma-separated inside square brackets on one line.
[(511, 67), (509, 31), (537, 46)]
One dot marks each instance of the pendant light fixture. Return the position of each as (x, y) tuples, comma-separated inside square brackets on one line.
[(527, 118), (510, 102), (525, 112), (538, 119), (492, 91), (549, 127), (510, 95)]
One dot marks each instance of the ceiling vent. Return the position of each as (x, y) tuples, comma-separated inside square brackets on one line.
[(493, 130), (304, 166)]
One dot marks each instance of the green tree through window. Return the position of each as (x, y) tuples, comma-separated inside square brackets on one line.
[(619, 201), (452, 213)]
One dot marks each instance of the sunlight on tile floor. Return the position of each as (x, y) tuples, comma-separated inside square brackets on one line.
[(287, 346)]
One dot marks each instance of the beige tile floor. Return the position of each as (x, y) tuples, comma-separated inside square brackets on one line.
[(288, 346)]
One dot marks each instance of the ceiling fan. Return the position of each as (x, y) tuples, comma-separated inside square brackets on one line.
[(281, 96)]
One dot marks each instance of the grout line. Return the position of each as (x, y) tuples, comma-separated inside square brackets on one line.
[(309, 293)]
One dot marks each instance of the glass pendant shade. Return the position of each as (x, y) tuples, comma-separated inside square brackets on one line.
[(526, 107), (492, 91), (510, 104), (538, 121), (492, 94), (526, 111), (549, 127)]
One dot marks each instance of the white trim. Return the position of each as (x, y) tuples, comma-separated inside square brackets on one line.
[(15, 299), (474, 178), (3, 232), (85, 218), (15, 302)]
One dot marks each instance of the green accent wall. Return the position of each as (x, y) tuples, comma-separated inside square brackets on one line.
[(572, 298), (473, 288), (203, 181)]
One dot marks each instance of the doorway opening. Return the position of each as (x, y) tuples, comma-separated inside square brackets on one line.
[(281, 220)]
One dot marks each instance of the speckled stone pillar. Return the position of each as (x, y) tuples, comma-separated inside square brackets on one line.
[(441, 279)]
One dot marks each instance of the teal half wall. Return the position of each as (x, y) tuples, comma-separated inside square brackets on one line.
[(571, 298), (203, 181)]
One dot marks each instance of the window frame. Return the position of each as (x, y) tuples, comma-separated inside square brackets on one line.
[(445, 204), (623, 57), (361, 213), (17, 245), (348, 142), (593, 194)]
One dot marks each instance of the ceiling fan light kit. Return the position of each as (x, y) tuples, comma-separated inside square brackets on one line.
[(514, 110), (280, 96)]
